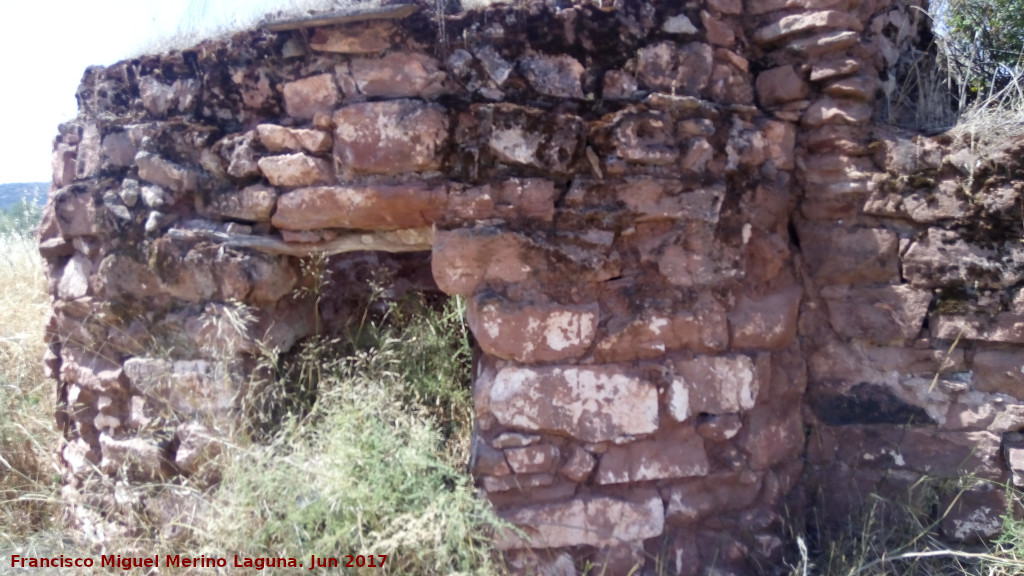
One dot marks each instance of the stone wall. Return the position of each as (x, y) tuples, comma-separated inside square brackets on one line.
[(912, 332), (703, 279)]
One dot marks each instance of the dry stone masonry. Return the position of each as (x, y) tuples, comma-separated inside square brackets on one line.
[(708, 283)]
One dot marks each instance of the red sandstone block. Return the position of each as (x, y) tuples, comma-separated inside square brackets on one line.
[(877, 314), (589, 403), (774, 434), (511, 199), (368, 207), (701, 328), (464, 259), (837, 255), (280, 139), (765, 322), (587, 520), (251, 204), (805, 23), (390, 137), (780, 85), (680, 454), (713, 385), (399, 75), (999, 371), (531, 332), (536, 459)]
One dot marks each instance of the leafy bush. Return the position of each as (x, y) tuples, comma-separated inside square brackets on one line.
[(982, 43), (993, 29)]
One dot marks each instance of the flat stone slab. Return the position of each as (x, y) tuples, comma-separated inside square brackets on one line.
[(359, 13)]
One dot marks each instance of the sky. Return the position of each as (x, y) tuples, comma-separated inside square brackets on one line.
[(45, 46)]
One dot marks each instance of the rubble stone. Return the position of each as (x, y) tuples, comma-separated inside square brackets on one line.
[(368, 37), (163, 172), (780, 85), (280, 139), (74, 282), (304, 98), (522, 136), (676, 69), (807, 22), (943, 258), (557, 76), (292, 170), (855, 256), (536, 459), (250, 204), (579, 465)]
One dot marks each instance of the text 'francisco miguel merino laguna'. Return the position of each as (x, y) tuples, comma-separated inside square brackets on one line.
[(178, 561)]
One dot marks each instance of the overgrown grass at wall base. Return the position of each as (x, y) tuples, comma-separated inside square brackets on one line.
[(376, 466), (359, 475)]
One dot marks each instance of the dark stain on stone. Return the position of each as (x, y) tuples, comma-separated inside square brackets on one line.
[(867, 403)]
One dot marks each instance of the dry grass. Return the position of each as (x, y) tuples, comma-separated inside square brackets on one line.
[(887, 537), (952, 86), (28, 441)]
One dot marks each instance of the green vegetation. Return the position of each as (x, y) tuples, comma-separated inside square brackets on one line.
[(982, 47), (991, 29)]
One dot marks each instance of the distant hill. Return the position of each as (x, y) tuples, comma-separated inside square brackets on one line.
[(11, 194)]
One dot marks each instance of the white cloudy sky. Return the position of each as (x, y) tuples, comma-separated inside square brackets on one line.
[(45, 45)]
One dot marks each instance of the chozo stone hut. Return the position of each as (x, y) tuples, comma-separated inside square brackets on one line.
[(713, 287)]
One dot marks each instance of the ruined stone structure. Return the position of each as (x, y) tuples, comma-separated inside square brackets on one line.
[(707, 277)]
